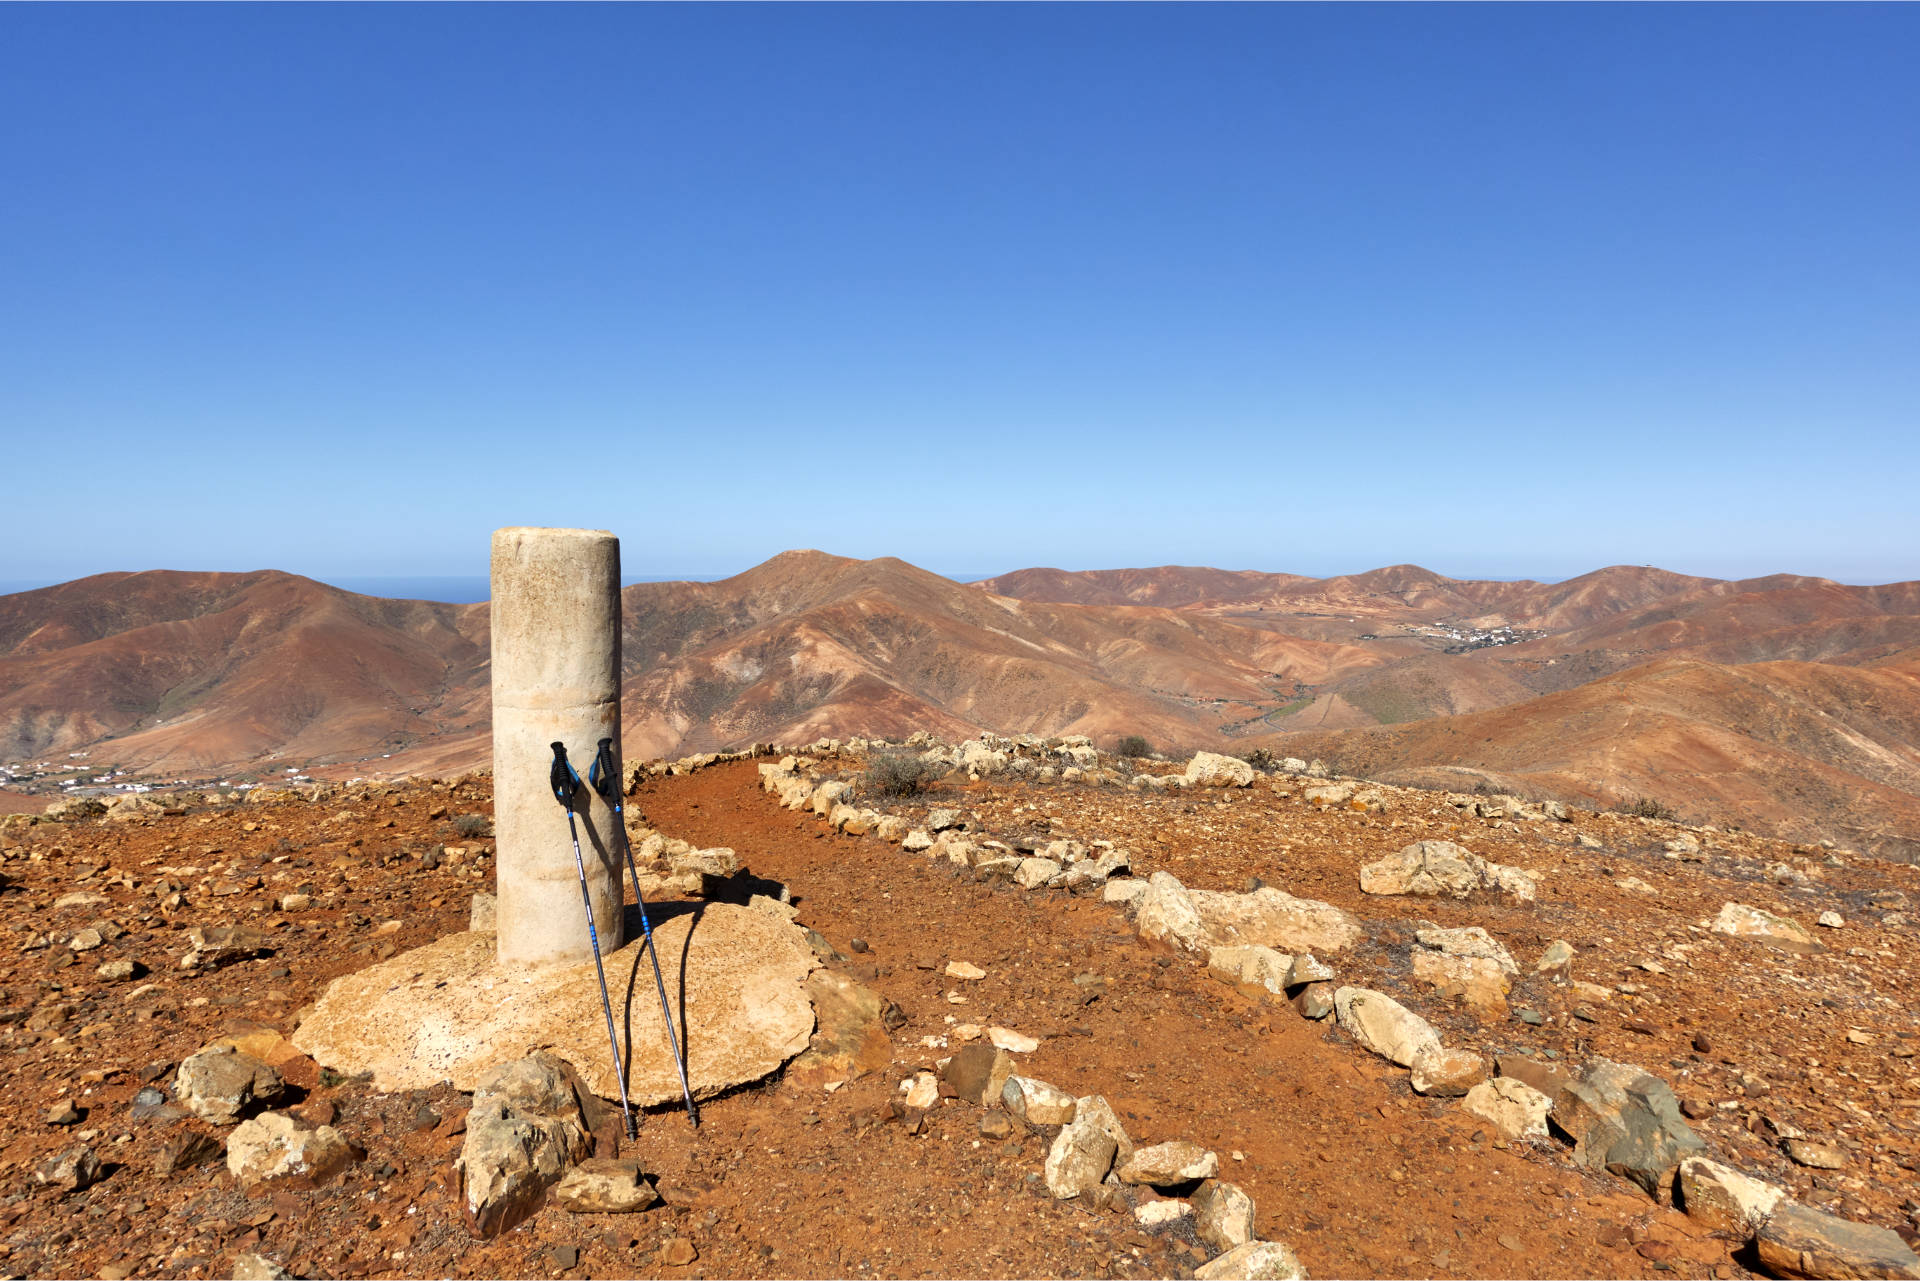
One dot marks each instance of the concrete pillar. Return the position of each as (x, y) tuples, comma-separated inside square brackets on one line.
[(556, 677)]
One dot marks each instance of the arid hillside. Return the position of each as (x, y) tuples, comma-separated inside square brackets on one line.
[(1786, 703), (184, 672)]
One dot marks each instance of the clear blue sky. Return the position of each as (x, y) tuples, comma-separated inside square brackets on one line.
[(1500, 290)]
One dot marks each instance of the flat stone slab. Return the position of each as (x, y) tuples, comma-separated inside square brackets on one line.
[(736, 981)]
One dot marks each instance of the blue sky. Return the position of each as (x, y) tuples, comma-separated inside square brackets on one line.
[(1499, 290)]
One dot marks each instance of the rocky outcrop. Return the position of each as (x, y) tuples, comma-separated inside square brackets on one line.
[(1166, 913), (1208, 769), (850, 1035), (1800, 1242), (1272, 918), (1738, 920), (1724, 1199), (1441, 867), (1625, 1120)]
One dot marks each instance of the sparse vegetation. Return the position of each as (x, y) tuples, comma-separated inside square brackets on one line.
[(1133, 745), (473, 825), (898, 774), (1260, 758), (1647, 807)]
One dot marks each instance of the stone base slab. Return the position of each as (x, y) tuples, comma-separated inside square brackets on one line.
[(736, 982)]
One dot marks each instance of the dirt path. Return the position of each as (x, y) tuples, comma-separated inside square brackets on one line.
[(1361, 1176)]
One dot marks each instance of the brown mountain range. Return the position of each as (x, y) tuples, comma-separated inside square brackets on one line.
[(1787, 703)]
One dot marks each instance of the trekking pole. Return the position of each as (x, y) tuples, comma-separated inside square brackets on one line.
[(565, 784), (602, 776)]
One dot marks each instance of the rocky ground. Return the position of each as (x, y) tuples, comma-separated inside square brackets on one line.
[(1345, 1163)]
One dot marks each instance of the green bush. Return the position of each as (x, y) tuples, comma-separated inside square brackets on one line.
[(898, 774), (1133, 745)]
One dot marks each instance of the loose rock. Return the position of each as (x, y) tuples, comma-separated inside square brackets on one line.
[(1254, 1261), (1383, 1025), (1222, 1214), (1517, 1110), (1168, 1164), (605, 1185), (274, 1146), (220, 1083)]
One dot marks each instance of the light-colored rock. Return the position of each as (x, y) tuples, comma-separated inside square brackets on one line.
[(480, 914), (1036, 1102), (1742, 921), (1035, 872), (1515, 1109), (530, 1119), (1166, 1164), (1012, 1042), (257, 1267), (1306, 969), (1556, 962), (73, 1168), (1254, 1261), (1123, 891), (1831, 920), (604, 1185), (850, 1034), (1095, 1108), (964, 970), (448, 1012), (1724, 1199), (1208, 769), (1383, 1025), (1272, 918), (915, 841), (1443, 868), (1166, 913), (1154, 1214), (1080, 1157), (1256, 967), (1446, 1073), (1222, 1214), (1815, 1156), (923, 1090), (219, 1084), (274, 1146)]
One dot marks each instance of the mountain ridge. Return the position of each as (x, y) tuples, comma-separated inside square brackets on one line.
[(167, 671)]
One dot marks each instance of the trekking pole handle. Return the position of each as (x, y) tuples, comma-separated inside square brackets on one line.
[(562, 779), (601, 773)]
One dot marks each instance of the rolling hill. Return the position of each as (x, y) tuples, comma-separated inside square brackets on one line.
[(1784, 703)]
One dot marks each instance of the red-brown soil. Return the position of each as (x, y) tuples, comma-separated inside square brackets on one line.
[(1362, 1177)]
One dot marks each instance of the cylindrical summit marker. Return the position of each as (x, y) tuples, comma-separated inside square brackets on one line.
[(556, 678)]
